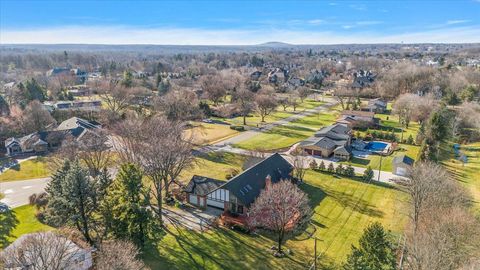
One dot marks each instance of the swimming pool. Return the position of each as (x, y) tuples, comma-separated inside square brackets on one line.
[(376, 146)]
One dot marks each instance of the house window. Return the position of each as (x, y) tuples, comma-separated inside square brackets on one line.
[(240, 209)]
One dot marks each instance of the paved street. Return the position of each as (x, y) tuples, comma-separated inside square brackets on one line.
[(17, 192)]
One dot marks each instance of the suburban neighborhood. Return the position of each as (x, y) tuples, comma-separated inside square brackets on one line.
[(206, 152)]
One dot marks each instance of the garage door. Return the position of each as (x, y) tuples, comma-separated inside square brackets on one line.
[(193, 199), (215, 204), (401, 171)]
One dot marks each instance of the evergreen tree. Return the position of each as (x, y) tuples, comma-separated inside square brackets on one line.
[(410, 139), (368, 174), (127, 199), (349, 171), (322, 167), (4, 108), (331, 169), (72, 199), (375, 251), (127, 78), (339, 169), (313, 165)]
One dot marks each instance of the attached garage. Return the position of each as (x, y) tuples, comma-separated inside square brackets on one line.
[(197, 190)]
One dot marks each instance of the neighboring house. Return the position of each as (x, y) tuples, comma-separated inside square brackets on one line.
[(237, 194), (295, 82), (331, 140), (401, 165), (40, 142), (80, 75), (93, 105), (255, 76), (277, 75), (376, 105), (74, 256), (357, 119), (363, 79), (316, 77)]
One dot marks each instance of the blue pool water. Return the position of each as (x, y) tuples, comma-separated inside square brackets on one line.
[(376, 146)]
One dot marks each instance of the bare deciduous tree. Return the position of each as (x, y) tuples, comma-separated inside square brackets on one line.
[(280, 208), (44, 250), (299, 162), (244, 99), (266, 104), (118, 254)]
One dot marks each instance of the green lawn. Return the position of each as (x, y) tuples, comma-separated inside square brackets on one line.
[(468, 174), (205, 133), (34, 168), (291, 133), (255, 120), (343, 208), (374, 160), (215, 165), (22, 221)]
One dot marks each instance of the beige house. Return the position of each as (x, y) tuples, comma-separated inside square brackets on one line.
[(329, 141)]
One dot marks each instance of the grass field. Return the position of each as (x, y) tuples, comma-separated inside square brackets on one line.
[(22, 221), (254, 119), (35, 168), (343, 208), (291, 133), (215, 165), (205, 133), (468, 174)]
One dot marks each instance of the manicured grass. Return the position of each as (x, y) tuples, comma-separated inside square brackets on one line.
[(215, 165), (205, 133), (291, 133), (468, 174), (21, 221), (276, 138), (255, 120), (374, 160), (342, 209), (30, 169)]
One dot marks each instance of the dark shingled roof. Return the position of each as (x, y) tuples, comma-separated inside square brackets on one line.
[(403, 159), (248, 185), (201, 185)]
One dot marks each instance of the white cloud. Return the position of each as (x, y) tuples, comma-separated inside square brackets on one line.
[(316, 21), (192, 36), (451, 22)]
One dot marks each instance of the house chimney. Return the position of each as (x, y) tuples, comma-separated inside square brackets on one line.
[(268, 181)]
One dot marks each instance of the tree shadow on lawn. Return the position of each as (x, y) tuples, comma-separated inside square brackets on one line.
[(8, 221), (219, 248), (356, 204), (360, 161)]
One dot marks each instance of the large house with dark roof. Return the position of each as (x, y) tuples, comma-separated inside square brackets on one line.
[(376, 105), (40, 142), (237, 194), (331, 140)]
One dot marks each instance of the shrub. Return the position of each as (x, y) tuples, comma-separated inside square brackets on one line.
[(349, 171), (410, 139), (238, 128), (331, 169), (322, 167), (339, 170), (313, 165), (368, 174)]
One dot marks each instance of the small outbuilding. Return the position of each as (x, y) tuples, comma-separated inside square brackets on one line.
[(401, 165)]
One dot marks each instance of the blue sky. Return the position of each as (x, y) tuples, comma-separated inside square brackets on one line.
[(238, 22)]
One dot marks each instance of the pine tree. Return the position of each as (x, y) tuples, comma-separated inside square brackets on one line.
[(339, 169), (313, 165), (349, 171), (331, 169), (127, 199), (375, 251), (72, 199), (322, 167), (368, 174)]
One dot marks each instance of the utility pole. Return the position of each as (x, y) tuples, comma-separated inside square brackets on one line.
[(315, 257), (379, 168)]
